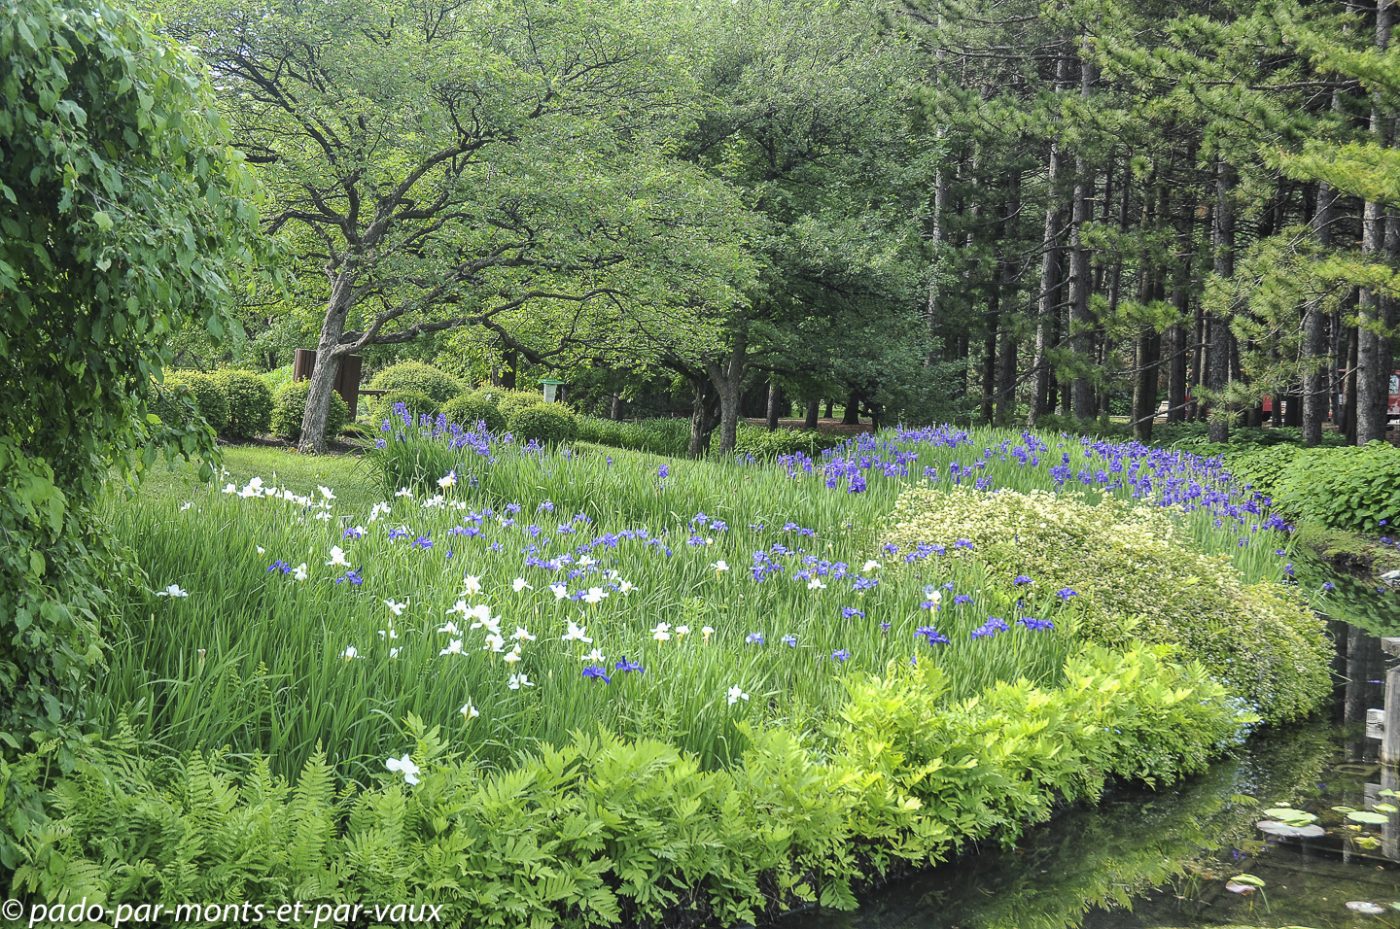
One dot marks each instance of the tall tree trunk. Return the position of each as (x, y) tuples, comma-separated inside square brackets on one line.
[(1003, 284), (1218, 351), (989, 355), (774, 396), (1178, 335), (703, 409), (1007, 353), (1049, 270), (328, 351), (615, 407), (728, 379), (1080, 322), (510, 362), (1372, 375), (1349, 385), (814, 409), (829, 410), (851, 415), (1314, 349)]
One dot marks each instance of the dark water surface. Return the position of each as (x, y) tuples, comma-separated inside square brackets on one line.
[(1163, 860)]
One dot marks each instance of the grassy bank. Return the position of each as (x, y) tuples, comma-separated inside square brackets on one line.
[(594, 687)]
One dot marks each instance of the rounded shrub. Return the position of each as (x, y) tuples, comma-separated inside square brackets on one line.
[(418, 377), (1130, 574), (546, 423), (467, 409), (509, 401), (290, 406), (415, 401), (208, 399), (249, 403)]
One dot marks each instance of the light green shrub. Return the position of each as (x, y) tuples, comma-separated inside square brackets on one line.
[(657, 436), (290, 407), (546, 423), (1136, 576), (209, 400), (1262, 467), (417, 403), (509, 401), (1343, 488), (761, 443), (249, 403), (419, 377), (467, 409)]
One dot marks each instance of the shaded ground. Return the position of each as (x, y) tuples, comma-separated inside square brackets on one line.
[(832, 426)]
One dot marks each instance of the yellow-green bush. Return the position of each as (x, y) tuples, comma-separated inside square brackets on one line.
[(1136, 577)]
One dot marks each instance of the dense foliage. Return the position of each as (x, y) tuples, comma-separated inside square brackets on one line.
[(437, 384), (249, 403), (608, 832), (472, 408), (290, 403), (207, 395), (545, 423), (1134, 578), (121, 207), (1344, 488)]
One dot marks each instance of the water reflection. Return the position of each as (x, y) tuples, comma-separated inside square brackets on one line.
[(1143, 860)]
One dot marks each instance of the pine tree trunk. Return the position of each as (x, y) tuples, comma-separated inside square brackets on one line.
[(1218, 351), (814, 408), (1177, 335), (615, 407), (774, 395), (1147, 355), (1049, 272), (1314, 349), (989, 355), (1080, 322), (1372, 375)]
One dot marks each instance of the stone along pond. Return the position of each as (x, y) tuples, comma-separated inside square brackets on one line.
[(1300, 828)]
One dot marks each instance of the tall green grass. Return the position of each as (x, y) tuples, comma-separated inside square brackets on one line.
[(254, 660)]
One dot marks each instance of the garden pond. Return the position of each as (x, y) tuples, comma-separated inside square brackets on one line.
[(1194, 856)]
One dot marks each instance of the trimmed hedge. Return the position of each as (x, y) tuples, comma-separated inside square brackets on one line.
[(415, 376), (209, 399), (467, 409), (509, 401), (249, 403), (1135, 577), (290, 406), (417, 402), (546, 423)]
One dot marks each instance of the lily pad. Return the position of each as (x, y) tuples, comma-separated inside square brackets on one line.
[(1386, 808), (1247, 879), (1369, 818), (1289, 831), (1291, 816)]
